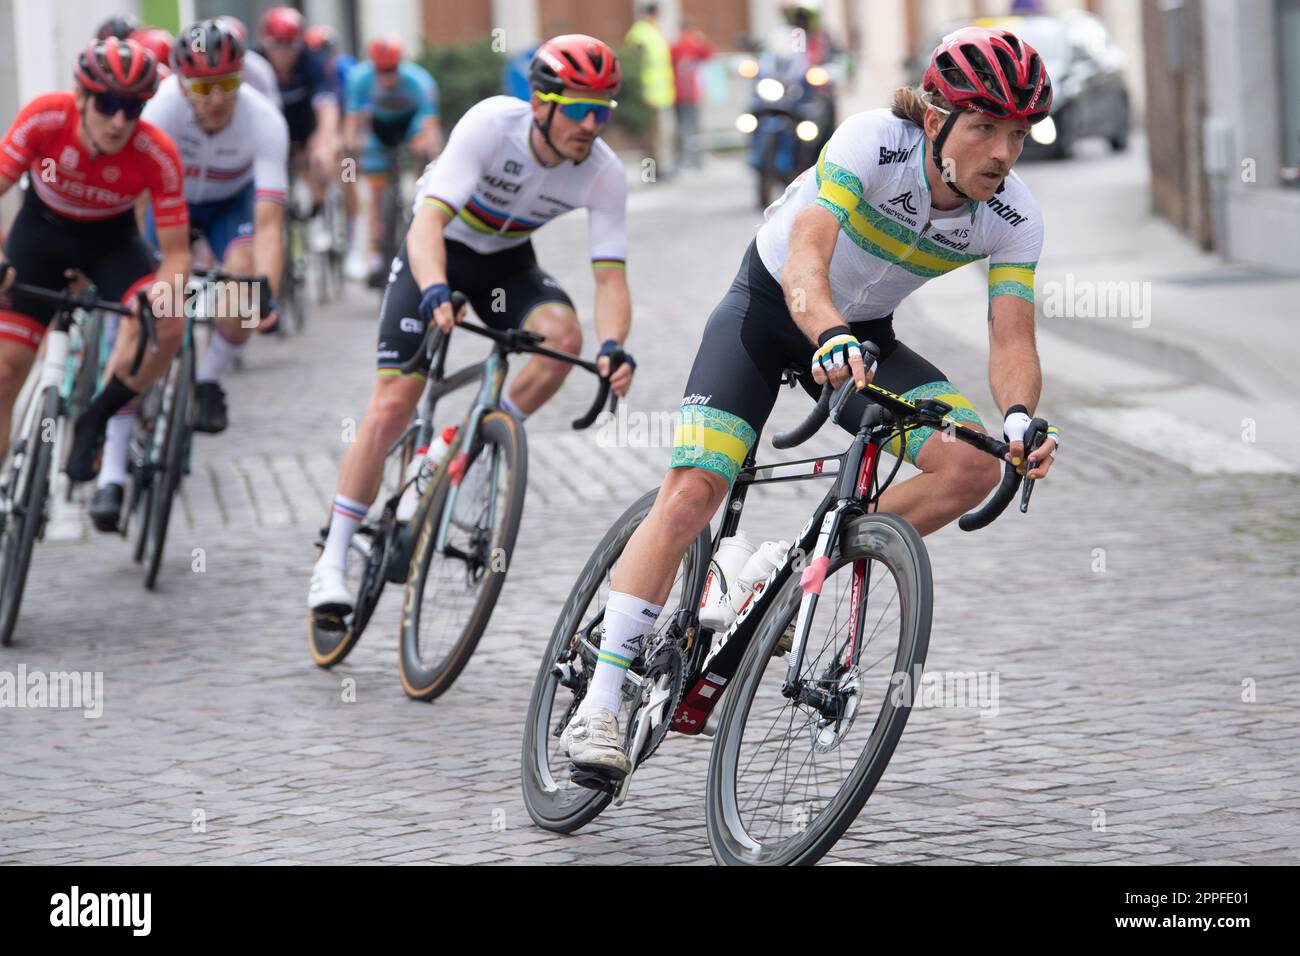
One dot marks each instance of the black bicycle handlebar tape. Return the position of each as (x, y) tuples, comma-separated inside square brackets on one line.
[(144, 314), (616, 358), (990, 510), (808, 427), (68, 299), (423, 357)]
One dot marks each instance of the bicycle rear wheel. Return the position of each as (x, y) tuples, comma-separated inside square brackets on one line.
[(787, 778), (462, 581), (167, 479), (554, 800), (29, 488)]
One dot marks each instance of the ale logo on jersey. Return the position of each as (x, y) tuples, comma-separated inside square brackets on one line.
[(111, 174)]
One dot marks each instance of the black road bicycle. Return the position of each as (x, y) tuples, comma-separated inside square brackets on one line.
[(60, 389), (817, 670), (453, 554)]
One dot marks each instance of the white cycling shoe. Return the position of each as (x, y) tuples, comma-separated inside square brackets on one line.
[(329, 590), (592, 743)]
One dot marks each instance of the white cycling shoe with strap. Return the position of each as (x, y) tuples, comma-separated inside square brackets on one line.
[(592, 743)]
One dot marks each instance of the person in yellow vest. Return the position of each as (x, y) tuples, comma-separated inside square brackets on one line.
[(657, 88)]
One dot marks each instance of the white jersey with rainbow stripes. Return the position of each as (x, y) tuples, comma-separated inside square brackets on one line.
[(498, 192), (871, 177)]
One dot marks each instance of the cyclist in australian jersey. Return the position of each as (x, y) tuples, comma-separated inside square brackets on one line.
[(89, 157), (391, 101), (897, 198), (509, 167)]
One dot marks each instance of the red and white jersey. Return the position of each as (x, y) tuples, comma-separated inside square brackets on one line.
[(43, 141)]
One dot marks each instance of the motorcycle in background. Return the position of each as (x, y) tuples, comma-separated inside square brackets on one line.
[(790, 117)]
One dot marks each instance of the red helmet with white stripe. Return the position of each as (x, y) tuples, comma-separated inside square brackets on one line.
[(118, 67), (575, 60)]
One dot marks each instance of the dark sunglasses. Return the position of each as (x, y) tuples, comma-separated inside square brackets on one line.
[(106, 104)]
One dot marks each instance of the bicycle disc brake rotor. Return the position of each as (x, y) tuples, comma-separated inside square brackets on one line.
[(829, 731), (665, 681)]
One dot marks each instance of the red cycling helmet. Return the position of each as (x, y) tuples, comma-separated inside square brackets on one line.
[(386, 53), (322, 39), (991, 71), (209, 48), (283, 24), (158, 42), (574, 60), (118, 67)]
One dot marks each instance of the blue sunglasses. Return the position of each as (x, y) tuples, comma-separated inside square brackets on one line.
[(578, 110)]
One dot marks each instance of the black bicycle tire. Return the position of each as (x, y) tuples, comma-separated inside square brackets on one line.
[(18, 564), (164, 490), (591, 803), (427, 684), (845, 807)]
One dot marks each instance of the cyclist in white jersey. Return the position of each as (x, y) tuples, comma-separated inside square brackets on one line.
[(509, 167), (897, 198), (258, 71), (234, 149)]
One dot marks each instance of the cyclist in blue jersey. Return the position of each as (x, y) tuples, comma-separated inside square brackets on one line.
[(398, 101), (306, 97)]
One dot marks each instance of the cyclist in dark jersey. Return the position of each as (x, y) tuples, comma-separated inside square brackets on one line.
[(306, 95)]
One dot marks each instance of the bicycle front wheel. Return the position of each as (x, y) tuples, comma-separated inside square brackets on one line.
[(788, 775), (28, 490), (450, 593), (167, 479)]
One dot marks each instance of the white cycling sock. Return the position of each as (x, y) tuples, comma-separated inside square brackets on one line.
[(216, 360), (627, 621), (345, 517), (117, 439)]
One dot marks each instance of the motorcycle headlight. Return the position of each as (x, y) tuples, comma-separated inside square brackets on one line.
[(770, 89), (817, 76), (807, 131), (747, 122), (1043, 132), (747, 68)]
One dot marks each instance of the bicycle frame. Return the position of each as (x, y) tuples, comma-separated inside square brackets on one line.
[(854, 471)]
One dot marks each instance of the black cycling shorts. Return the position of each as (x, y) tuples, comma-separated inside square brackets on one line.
[(504, 288), (41, 244), (750, 339)]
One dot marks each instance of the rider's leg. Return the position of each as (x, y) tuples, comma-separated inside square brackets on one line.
[(362, 471), (687, 500), (541, 377), (16, 358), (954, 479)]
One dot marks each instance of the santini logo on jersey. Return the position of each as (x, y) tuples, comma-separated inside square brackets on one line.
[(888, 155), (1003, 211)]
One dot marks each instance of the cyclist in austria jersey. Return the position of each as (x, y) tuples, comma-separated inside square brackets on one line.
[(509, 168), (89, 158), (880, 215)]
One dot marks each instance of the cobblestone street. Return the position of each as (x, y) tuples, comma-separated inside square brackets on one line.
[(1135, 620)]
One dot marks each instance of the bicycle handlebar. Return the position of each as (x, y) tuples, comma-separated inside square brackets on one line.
[(516, 340), (831, 403)]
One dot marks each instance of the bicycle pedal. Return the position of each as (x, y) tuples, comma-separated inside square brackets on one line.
[(600, 780)]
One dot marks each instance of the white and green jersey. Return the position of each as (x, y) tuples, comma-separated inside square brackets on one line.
[(871, 176)]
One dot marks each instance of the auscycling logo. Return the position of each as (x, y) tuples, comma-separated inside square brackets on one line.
[(102, 909), (66, 689)]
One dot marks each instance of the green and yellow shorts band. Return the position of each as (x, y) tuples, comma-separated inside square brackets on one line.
[(720, 441)]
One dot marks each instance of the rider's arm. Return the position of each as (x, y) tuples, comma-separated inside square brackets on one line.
[(425, 249), (357, 100), (323, 100), (613, 305), (1015, 377), (429, 139), (806, 276), (174, 270), (271, 188), (165, 184), (607, 241)]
